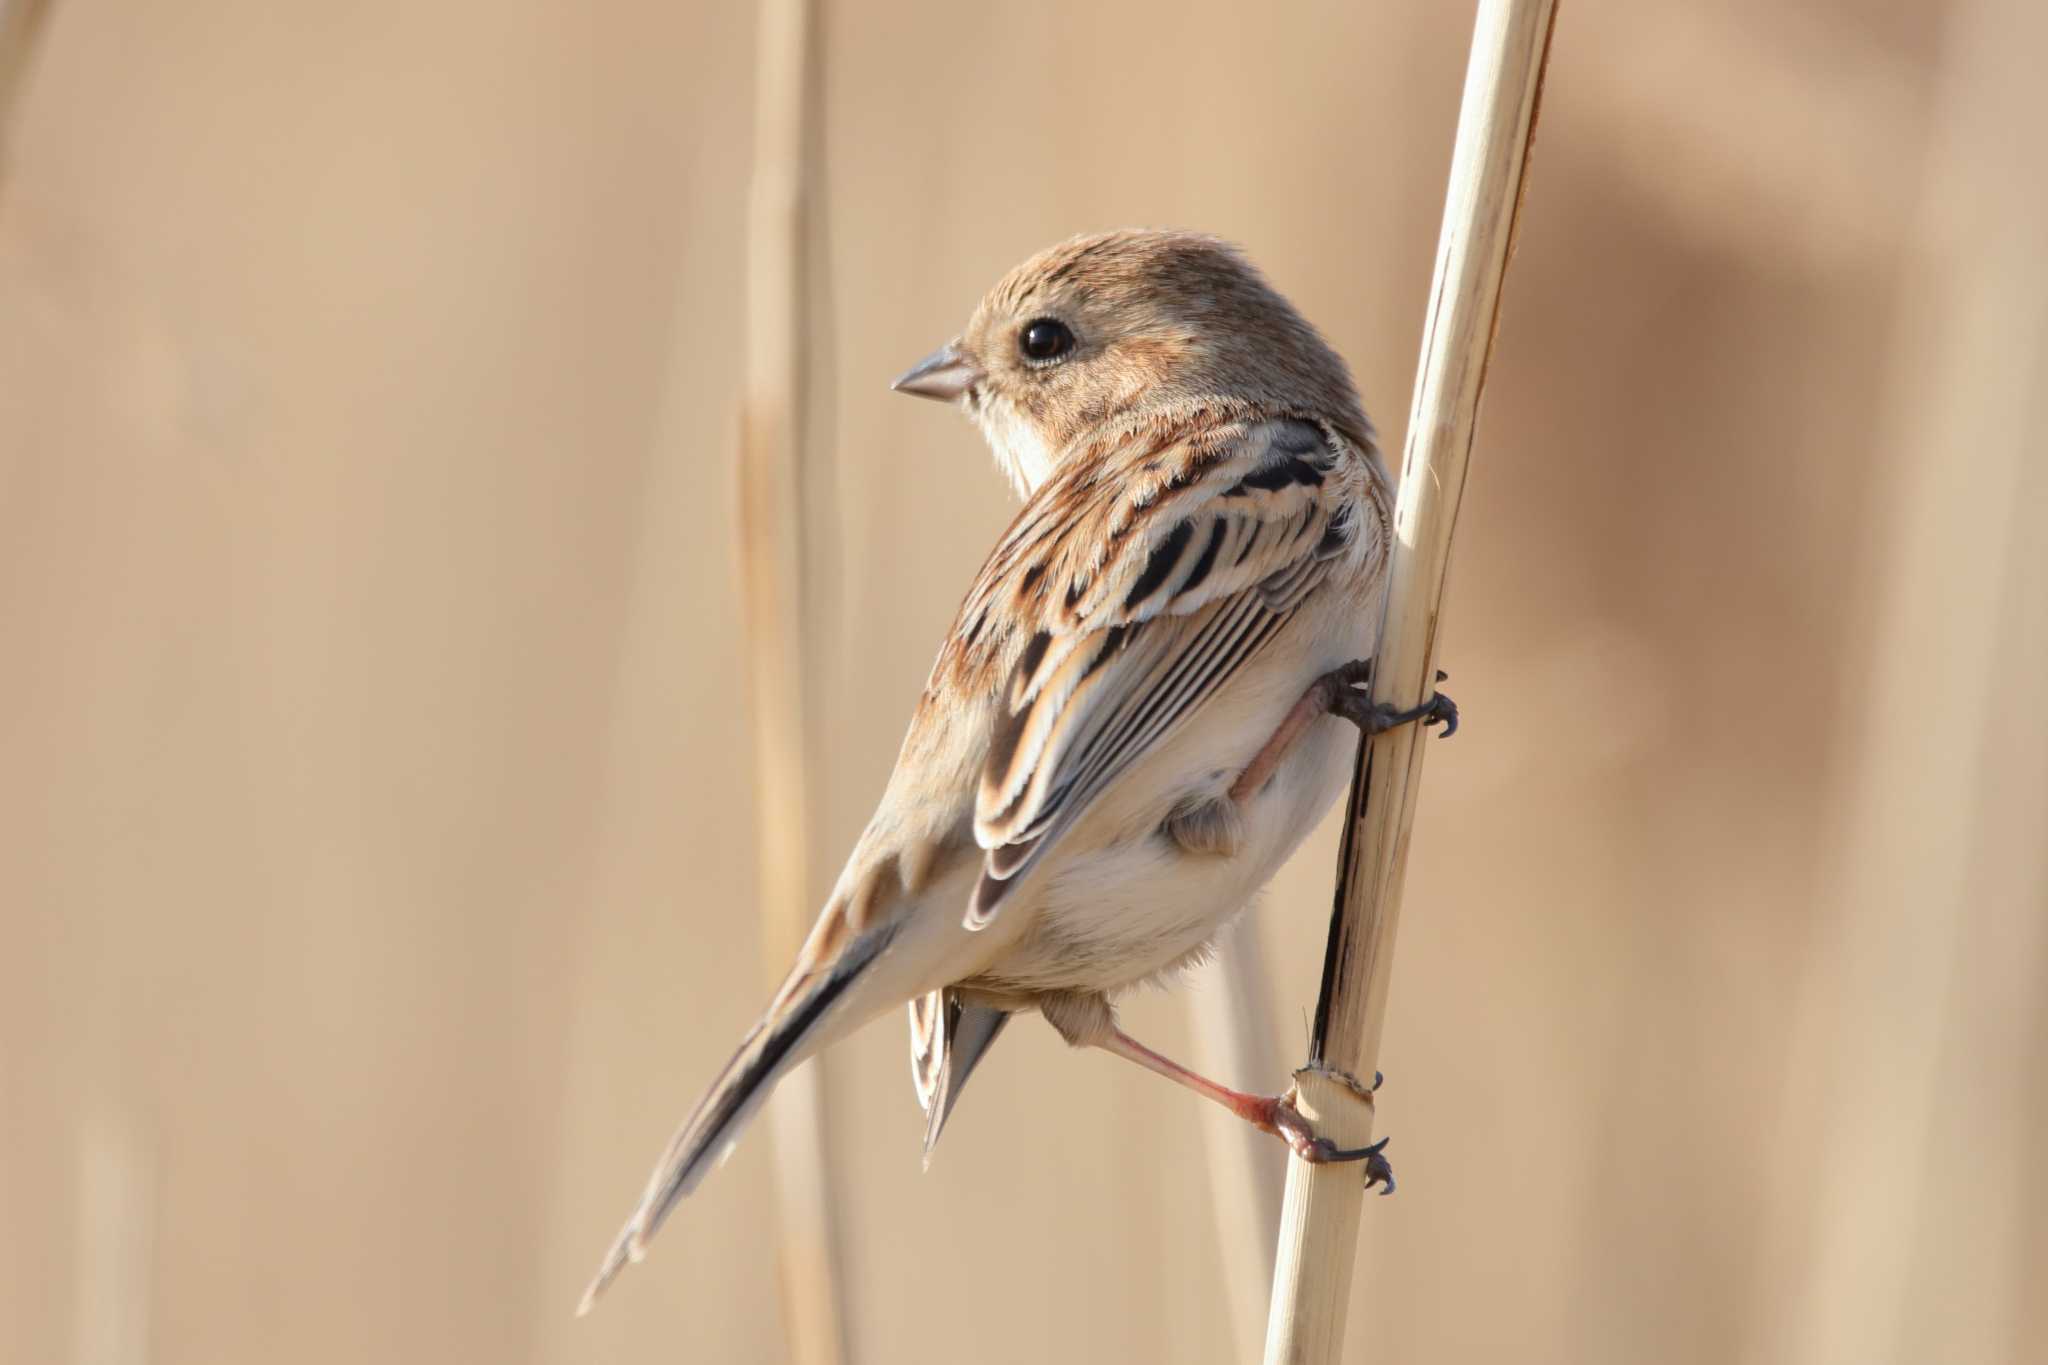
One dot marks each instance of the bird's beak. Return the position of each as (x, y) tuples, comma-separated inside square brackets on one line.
[(945, 374)]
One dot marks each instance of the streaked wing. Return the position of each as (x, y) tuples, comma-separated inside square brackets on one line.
[(1140, 582)]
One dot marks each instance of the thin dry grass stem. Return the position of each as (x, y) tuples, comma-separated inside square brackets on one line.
[(1319, 1232), (772, 536), (22, 25), (1233, 1036)]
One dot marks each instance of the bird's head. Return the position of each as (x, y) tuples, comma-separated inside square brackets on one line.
[(1130, 325)]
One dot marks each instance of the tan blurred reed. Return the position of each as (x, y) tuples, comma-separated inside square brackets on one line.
[(771, 540), (22, 24)]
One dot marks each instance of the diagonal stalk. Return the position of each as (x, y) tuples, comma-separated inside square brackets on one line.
[(1319, 1228)]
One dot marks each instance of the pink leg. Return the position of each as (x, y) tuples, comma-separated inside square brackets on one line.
[(1273, 1114), (1313, 706), (1257, 1110)]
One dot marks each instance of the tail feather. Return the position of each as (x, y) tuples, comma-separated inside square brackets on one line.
[(774, 1046), (948, 1038)]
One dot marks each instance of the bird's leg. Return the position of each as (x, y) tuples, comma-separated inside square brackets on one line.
[(1087, 1019), (1275, 1114), (1337, 693)]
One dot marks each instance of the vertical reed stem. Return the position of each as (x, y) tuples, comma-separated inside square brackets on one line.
[(1231, 1010), (22, 25), (1319, 1230), (772, 540)]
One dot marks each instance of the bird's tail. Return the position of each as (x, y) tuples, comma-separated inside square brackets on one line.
[(787, 1034), (948, 1038)]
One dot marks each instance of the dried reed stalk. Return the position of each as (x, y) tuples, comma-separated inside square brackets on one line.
[(1319, 1231), (1232, 1013), (22, 25), (772, 536)]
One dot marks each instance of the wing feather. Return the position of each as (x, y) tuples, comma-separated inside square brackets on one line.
[(1138, 582)]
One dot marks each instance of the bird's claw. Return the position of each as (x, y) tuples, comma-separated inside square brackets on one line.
[(1377, 1169), (1317, 1150), (1438, 710), (1347, 701), (1377, 719)]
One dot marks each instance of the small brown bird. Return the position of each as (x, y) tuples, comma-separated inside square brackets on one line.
[(1141, 708)]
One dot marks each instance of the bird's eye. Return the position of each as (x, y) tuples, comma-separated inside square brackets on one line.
[(1045, 340)]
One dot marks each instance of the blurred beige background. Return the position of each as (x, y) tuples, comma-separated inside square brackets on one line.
[(375, 847)]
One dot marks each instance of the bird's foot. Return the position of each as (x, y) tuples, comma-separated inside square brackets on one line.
[(1089, 1021), (1278, 1115), (1346, 700)]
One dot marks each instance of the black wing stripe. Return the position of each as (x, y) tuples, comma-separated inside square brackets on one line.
[(1217, 531), (1159, 565)]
